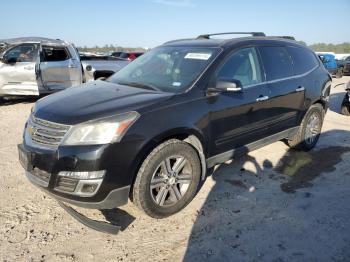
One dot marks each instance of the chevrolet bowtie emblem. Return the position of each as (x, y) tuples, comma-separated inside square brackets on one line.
[(31, 130)]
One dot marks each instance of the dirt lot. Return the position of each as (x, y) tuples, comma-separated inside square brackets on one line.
[(299, 210)]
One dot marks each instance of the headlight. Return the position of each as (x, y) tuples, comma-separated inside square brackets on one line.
[(101, 131)]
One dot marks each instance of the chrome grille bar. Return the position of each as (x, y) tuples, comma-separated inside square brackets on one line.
[(46, 133)]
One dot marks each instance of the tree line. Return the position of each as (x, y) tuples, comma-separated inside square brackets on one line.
[(110, 48), (319, 47)]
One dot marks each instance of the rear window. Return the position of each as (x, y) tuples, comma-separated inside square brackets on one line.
[(54, 54), (303, 59), (277, 62)]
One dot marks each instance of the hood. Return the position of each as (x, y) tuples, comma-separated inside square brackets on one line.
[(95, 100)]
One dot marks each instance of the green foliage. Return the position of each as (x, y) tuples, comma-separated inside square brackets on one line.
[(110, 48), (338, 49), (319, 47)]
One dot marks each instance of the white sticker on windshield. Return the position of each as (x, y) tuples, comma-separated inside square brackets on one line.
[(176, 84), (200, 56)]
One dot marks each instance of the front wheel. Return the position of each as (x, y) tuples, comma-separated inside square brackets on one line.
[(309, 130), (168, 179)]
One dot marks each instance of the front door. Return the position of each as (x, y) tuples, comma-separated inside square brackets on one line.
[(17, 70), (238, 118), (57, 68)]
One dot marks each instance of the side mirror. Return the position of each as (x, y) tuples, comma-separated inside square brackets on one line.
[(226, 85)]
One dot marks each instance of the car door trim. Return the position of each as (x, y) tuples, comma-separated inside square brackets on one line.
[(236, 152)]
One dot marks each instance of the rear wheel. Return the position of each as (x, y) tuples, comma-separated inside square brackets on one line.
[(309, 130), (345, 106), (168, 179)]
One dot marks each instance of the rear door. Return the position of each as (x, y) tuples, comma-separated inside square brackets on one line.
[(58, 69), (17, 73), (286, 92)]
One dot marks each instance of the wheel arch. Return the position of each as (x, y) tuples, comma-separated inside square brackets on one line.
[(190, 136)]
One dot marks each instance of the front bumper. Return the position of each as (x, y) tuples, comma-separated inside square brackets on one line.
[(115, 198), (42, 167)]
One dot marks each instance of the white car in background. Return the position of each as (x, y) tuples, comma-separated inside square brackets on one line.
[(32, 66)]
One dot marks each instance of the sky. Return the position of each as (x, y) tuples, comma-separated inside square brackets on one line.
[(148, 23)]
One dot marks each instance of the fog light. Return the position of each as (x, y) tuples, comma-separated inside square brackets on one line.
[(83, 175), (89, 188)]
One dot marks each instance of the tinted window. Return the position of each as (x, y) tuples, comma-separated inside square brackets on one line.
[(243, 65), (22, 53), (54, 54), (303, 59), (277, 62)]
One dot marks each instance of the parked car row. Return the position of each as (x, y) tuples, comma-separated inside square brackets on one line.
[(35, 66), (335, 67), (150, 132), (344, 64), (127, 55)]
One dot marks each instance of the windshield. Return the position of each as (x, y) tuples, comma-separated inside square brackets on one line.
[(168, 69)]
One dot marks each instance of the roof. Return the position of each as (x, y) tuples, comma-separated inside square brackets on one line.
[(46, 41), (214, 42)]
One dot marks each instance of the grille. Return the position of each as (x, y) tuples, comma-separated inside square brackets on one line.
[(46, 133), (66, 184), (42, 175)]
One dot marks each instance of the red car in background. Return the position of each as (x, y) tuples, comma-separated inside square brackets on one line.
[(127, 55)]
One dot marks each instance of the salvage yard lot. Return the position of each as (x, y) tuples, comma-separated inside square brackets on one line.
[(272, 205)]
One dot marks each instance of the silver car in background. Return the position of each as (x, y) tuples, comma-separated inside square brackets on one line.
[(100, 66), (34, 66)]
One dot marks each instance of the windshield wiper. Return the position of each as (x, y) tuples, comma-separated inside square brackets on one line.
[(141, 85)]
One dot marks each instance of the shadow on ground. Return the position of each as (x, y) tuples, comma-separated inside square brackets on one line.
[(19, 100), (118, 217), (280, 213)]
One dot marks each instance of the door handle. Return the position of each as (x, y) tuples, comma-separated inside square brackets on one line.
[(72, 66), (300, 89), (262, 98)]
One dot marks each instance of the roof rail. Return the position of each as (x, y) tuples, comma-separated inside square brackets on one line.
[(207, 36), (284, 36)]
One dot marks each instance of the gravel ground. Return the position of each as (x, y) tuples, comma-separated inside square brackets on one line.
[(271, 205)]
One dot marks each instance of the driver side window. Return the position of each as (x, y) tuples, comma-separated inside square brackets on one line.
[(242, 65), (22, 53)]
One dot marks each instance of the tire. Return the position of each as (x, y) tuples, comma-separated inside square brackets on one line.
[(345, 106), (303, 140), (345, 110), (173, 186)]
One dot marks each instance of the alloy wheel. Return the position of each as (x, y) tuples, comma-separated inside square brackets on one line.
[(171, 180), (313, 128)]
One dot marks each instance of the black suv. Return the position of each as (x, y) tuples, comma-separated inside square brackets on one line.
[(151, 131)]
